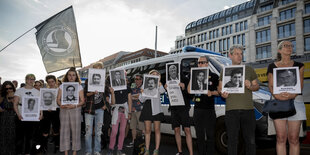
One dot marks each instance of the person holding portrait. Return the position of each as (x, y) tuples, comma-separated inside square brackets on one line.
[(287, 128)]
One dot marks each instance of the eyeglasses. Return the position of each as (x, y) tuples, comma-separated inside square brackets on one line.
[(287, 46), (138, 79), (31, 79), (202, 62)]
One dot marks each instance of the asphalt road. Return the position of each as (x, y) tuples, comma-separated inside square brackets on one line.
[(168, 147)]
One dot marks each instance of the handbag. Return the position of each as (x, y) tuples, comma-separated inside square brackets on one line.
[(279, 109)]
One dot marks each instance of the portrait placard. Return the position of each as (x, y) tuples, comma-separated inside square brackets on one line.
[(199, 80), (286, 79), (150, 86), (31, 108), (118, 79), (70, 93), (48, 99), (96, 80), (233, 79), (173, 73)]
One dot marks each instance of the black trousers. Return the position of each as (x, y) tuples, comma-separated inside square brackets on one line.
[(244, 119), (205, 120), (26, 134)]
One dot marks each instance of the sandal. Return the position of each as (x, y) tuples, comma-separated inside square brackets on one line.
[(155, 152), (147, 152)]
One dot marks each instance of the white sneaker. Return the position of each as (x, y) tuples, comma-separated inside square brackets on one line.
[(97, 153)]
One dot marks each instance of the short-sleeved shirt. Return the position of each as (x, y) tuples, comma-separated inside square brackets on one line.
[(242, 101), (23, 92), (203, 101), (121, 96), (273, 65), (136, 104)]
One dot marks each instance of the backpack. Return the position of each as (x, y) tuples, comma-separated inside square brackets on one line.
[(139, 146)]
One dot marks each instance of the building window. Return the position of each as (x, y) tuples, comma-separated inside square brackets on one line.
[(263, 36), (307, 8), (220, 45), (224, 44), (264, 20), (284, 2), (286, 30), (245, 25), (237, 27), (243, 39), (214, 44), (217, 33), (307, 44), (211, 46), (207, 46), (223, 31), (266, 7), (241, 26), (228, 43), (307, 25), (201, 37), (263, 52), (228, 20), (234, 39), (235, 17), (287, 14)]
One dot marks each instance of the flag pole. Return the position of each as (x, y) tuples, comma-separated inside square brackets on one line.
[(16, 39), (156, 42)]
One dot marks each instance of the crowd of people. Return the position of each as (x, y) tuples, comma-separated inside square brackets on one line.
[(107, 113)]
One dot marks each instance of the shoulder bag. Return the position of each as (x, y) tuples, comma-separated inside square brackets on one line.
[(279, 109)]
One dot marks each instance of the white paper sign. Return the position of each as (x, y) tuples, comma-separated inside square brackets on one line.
[(199, 80), (118, 79), (286, 79), (48, 99), (175, 95), (233, 79), (31, 108), (96, 80), (150, 86), (70, 93)]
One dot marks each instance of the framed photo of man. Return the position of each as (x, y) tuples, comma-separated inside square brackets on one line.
[(118, 79), (286, 79), (150, 86), (70, 93), (31, 108), (48, 99), (233, 79), (96, 80), (199, 80), (173, 73)]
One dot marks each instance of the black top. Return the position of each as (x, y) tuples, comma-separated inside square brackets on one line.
[(185, 94), (95, 101), (273, 65), (203, 101), (121, 96)]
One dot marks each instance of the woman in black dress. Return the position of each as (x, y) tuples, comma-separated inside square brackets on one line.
[(7, 119)]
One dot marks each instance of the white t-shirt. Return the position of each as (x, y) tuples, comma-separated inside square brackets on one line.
[(23, 92)]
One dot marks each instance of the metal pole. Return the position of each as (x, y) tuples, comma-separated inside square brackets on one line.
[(156, 42)]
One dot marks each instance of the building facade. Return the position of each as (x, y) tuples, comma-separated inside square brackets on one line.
[(259, 25)]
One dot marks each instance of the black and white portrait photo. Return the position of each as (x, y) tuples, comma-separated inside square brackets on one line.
[(150, 86), (31, 108), (199, 80), (48, 99), (233, 79), (96, 80), (286, 80), (172, 73), (70, 93), (118, 79)]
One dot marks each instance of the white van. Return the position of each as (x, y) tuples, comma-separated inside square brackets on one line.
[(216, 63)]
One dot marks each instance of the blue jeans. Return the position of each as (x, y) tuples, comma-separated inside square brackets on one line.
[(89, 119), (244, 120)]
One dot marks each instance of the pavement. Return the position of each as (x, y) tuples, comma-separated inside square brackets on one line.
[(168, 147)]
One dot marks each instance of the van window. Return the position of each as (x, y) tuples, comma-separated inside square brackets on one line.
[(219, 62)]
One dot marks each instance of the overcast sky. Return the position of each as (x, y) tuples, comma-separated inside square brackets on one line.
[(104, 27)]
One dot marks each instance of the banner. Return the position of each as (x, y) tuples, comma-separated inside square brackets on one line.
[(58, 41)]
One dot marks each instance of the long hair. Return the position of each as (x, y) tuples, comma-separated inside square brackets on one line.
[(72, 69), (3, 88)]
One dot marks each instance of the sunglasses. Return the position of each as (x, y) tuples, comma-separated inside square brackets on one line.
[(9, 88), (202, 62), (287, 46)]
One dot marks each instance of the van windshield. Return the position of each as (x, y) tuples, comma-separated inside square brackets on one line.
[(219, 62)]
